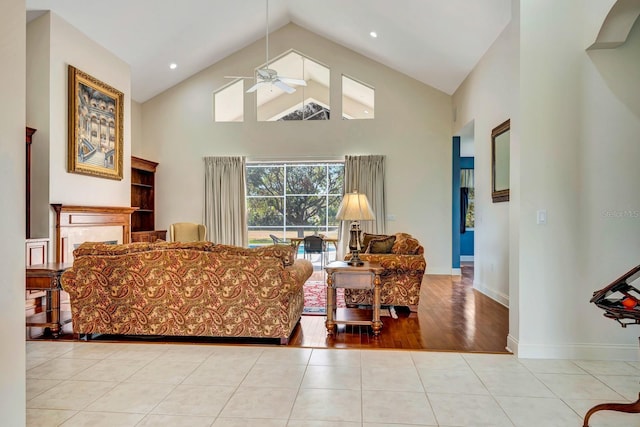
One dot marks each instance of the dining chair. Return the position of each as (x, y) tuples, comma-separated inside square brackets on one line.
[(315, 245)]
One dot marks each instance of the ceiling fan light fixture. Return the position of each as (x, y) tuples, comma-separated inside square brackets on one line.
[(266, 75)]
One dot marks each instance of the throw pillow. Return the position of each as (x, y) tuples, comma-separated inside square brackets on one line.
[(408, 246), (381, 245), (366, 238)]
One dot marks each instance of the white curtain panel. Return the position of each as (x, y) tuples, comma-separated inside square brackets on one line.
[(366, 175), (224, 200)]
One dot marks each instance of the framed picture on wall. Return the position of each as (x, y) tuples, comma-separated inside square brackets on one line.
[(95, 127)]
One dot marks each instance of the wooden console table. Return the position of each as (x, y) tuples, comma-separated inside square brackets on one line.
[(342, 275), (46, 277)]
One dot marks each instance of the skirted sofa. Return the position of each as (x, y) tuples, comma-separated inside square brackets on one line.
[(186, 289), (402, 257)]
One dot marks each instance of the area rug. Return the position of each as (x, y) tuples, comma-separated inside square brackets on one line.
[(315, 299)]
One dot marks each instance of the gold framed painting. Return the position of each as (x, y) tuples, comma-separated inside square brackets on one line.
[(95, 127)]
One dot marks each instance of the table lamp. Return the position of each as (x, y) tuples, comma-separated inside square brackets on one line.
[(355, 207)]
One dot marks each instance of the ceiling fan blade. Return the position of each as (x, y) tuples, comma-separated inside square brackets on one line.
[(292, 81), (256, 86), (238, 77), (279, 84)]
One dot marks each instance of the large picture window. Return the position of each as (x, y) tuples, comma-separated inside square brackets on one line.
[(293, 199)]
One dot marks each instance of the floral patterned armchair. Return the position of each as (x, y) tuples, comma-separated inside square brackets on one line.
[(402, 257)]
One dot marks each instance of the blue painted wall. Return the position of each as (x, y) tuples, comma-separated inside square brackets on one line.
[(466, 238), (455, 198)]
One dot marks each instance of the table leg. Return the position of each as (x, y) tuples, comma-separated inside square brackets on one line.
[(632, 408), (331, 306), (53, 304), (376, 324)]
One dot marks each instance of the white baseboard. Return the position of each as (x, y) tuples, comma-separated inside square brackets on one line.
[(579, 351), (573, 351), (466, 258), (442, 271), (492, 293), (456, 272)]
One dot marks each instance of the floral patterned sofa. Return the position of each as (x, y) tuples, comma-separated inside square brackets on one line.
[(402, 257), (186, 289)]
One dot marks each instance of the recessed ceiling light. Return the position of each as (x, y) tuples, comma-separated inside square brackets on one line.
[(373, 34), (173, 65)]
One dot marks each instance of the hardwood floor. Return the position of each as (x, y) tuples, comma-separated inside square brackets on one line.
[(452, 316)]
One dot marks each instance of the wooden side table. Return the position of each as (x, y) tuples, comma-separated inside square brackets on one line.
[(46, 277), (342, 275)]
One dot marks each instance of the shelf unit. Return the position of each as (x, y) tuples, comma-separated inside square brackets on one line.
[(142, 197)]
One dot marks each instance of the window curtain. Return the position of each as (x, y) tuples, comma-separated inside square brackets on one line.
[(366, 175), (224, 200), (466, 182)]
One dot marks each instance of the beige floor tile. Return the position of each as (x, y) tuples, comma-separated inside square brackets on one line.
[(439, 361), (274, 375), (400, 407), (47, 349), (452, 381), (610, 367), (537, 412), (568, 386), (36, 386), (110, 370), (328, 405), (514, 383), (400, 425), (604, 418), (397, 378), (552, 366), (47, 417), (188, 353), (296, 356), (332, 377), (71, 395), (309, 423), (330, 357), (35, 361), (227, 372), (102, 419), (468, 410), (154, 420), (89, 350), (195, 400), (59, 369), (131, 397), (164, 372), (138, 352), (494, 362), (260, 401), (626, 385), (249, 422), (386, 358)]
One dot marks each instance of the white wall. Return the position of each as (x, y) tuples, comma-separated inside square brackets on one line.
[(580, 141), (487, 98), (412, 128), (47, 112), (12, 225)]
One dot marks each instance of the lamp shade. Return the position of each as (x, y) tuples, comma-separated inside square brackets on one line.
[(355, 207)]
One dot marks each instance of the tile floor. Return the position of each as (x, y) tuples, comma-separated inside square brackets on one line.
[(133, 384)]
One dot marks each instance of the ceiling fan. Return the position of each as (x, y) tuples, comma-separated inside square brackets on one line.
[(268, 76)]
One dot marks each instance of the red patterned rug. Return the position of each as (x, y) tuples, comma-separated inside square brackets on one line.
[(315, 298)]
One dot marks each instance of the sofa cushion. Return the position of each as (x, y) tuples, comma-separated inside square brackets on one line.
[(99, 248), (285, 253), (381, 245), (406, 246)]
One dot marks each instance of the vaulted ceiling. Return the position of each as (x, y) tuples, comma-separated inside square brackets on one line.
[(437, 42)]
